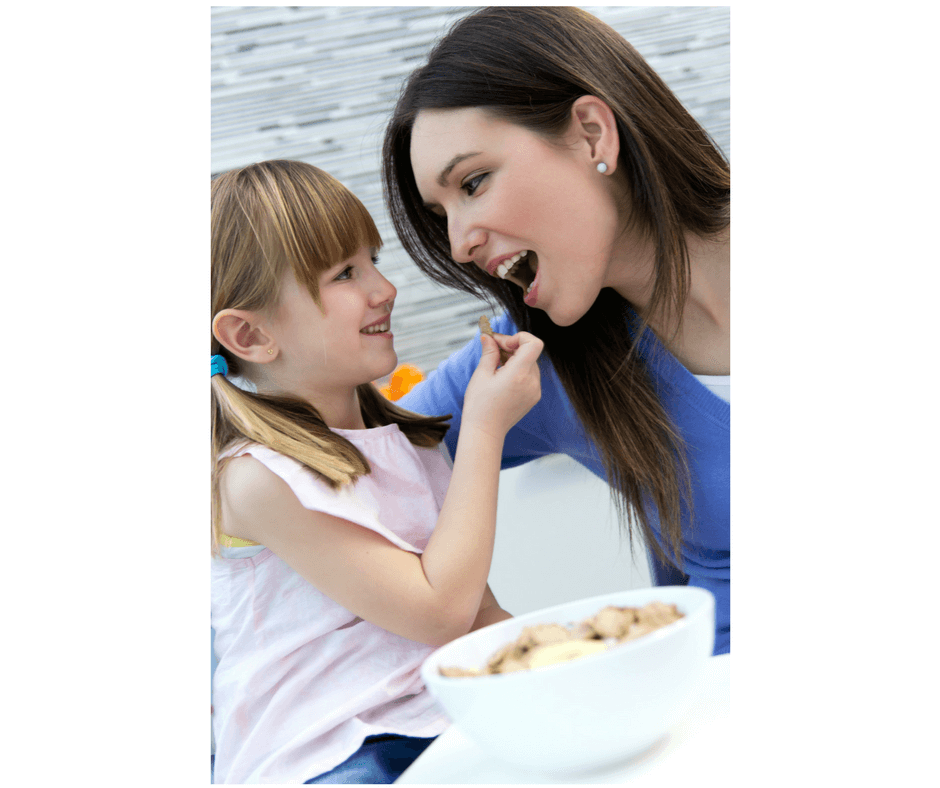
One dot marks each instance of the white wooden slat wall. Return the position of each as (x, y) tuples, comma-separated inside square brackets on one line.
[(317, 83)]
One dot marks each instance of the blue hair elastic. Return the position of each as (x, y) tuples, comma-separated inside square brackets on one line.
[(219, 367)]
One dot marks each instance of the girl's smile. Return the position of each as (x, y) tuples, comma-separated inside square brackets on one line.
[(381, 327)]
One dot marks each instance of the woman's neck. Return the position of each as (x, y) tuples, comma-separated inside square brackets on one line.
[(710, 286), (702, 341)]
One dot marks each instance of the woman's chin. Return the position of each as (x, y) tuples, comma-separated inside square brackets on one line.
[(565, 307), (564, 317)]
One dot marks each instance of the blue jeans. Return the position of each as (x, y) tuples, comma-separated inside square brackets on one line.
[(380, 760)]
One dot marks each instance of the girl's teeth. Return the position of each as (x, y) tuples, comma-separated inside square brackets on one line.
[(529, 288), (376, 329)]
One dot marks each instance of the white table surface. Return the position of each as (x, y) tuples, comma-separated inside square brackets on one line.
[(701, 737)]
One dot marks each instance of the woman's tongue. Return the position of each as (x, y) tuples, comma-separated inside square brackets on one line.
[(524, 272)]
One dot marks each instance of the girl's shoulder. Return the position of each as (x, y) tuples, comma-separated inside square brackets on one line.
[(259, 484), (249, 490), (246, 478), (263, 457)]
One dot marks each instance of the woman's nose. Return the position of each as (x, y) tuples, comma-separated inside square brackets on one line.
[(464, 241)]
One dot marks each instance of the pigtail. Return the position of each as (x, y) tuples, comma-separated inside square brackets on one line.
[(377, 411), (295, 429), (291, 427)]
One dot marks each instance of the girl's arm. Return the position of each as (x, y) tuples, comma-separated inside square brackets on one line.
[(443, 392), (490, 612), (433, 597)]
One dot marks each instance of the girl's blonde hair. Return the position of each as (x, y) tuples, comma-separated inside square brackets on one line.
[(268, 219)]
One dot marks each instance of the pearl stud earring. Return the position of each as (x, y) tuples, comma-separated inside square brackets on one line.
[(602, 168)]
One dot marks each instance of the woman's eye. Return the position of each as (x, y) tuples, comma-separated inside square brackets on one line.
[(470, 186)]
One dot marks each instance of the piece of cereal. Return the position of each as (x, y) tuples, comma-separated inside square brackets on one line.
[(612, 622), (542, 634), (492, 665), (637, 630), (511, 665), (485, 328), (658, 614)]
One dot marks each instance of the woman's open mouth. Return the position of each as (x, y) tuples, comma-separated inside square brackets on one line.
[(521, 269)]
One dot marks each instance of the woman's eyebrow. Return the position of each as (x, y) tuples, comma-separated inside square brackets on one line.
[(442, 178)]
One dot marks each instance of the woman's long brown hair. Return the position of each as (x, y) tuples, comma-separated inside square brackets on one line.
[(269, 218), (528, 65)]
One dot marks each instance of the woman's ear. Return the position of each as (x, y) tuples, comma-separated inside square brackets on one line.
[(243, 333), (593, 121)]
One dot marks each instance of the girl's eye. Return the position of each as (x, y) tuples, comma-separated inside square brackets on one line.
[(470, 186), (346, 273), (375, 259)]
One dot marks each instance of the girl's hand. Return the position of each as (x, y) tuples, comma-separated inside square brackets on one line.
[(497, 398)]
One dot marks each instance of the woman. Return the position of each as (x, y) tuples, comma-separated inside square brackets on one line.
[(539, 161)]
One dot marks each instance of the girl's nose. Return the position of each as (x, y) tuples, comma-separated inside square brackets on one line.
[(383, 293)]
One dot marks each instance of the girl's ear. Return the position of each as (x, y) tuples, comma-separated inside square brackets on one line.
[(243, 333), (594, 122)]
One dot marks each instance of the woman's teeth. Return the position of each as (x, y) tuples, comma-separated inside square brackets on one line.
[(505, 268), (381, 328), (521, 268)]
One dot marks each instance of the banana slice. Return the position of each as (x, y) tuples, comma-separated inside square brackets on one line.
[(460, 672), (543, 656)]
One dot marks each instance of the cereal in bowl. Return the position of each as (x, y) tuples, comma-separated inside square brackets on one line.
[(549, 644)]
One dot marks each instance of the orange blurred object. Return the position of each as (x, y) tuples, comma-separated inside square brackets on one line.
[(402, 380)]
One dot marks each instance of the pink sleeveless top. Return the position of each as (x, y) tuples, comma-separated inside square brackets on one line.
[(301, 681)]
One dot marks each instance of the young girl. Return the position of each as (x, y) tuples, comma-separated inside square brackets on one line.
[(345, 549)]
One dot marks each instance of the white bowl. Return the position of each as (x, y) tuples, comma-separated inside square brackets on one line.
[(588, 713)]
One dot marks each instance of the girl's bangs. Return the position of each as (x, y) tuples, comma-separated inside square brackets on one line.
[(329, 225)]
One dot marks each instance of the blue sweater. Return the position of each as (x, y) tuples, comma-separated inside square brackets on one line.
[(551, 427)]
